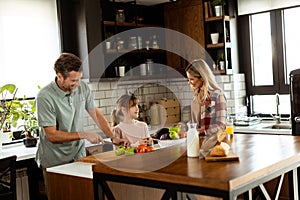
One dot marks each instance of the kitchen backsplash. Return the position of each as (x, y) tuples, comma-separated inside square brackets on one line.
[(107, 92)]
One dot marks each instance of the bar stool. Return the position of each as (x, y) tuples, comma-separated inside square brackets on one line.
[(8, 178)]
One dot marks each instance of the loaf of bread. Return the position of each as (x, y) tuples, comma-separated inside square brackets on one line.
[(221, 149)]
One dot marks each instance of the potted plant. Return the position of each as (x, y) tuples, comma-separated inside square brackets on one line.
[(27, 114), (221, 60), (218, 6), (8, 112), (13, 110)]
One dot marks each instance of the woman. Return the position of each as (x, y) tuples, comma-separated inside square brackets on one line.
[(208, 107), (125, 125)]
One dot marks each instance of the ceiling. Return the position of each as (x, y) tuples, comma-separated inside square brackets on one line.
[(146, 2)]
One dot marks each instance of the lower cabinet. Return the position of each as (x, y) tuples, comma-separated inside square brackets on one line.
[(69, 187)]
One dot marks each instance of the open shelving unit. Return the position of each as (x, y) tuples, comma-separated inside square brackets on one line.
[(136, 16), (220, 51)]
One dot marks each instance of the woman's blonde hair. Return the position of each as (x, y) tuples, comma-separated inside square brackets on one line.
[(200, 69), (125, 101)]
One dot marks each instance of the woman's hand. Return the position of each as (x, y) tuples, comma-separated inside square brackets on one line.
[(201, 131)]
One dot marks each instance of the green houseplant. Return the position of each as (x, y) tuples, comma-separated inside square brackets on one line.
[(221, 61), (218, 2), (27, 114), (14, 112), (8, 113), (218, 6)]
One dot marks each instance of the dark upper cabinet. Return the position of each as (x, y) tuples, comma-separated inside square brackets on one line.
[(81, 33), (185, 17)]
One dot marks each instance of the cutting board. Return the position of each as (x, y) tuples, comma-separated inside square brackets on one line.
[(230, 157)]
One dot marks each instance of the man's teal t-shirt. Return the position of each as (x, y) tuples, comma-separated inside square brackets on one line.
[(65, 111)]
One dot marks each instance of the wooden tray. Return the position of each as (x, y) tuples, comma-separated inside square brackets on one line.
[(230, 157)]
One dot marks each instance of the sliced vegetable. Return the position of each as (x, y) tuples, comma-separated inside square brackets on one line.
[(142, 148), (120, 150), (129, 151)]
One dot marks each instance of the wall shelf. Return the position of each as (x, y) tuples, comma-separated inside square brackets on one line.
[(128, 24), (220, 51), (219, 18)]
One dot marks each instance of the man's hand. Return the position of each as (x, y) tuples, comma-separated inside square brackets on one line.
[(93, 138)]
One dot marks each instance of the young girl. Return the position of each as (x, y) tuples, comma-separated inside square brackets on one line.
[(125, 123)]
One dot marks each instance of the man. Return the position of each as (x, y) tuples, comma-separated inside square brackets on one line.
[(60, 110)]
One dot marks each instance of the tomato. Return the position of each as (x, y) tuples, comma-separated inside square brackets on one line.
[(142, 148), (149, 149)]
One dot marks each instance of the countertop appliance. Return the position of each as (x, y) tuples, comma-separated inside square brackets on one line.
[(295, 101)]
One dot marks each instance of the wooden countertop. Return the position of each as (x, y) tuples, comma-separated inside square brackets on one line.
[(261, 157)]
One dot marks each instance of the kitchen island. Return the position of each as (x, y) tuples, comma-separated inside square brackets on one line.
[(261, 159)]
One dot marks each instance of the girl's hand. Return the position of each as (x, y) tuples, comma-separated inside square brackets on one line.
[(121, 141), (148, 141)]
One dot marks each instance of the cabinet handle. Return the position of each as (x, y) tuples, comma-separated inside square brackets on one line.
[(297, 119)]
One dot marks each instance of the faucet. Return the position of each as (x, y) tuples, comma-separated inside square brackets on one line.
[(277, 116)]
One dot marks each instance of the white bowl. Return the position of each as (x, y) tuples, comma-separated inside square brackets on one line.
[(167, 143)]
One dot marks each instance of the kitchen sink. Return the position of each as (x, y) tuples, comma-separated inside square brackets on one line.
[(279, 126)]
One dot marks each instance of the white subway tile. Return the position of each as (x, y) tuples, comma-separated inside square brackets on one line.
[(104, 86), (228, 86), (93, 86)]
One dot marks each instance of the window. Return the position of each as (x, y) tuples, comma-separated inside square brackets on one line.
[(269, 56), (292, 40), (261, 49), (29, 38)]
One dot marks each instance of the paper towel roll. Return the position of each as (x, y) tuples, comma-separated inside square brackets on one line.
[(155, 118)]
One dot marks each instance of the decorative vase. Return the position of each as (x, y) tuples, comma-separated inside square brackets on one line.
[(120, 16), (218, 10), (222, 65), (108, 45), (214, 38), (121, 71)]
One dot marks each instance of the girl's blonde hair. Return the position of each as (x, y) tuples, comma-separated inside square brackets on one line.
[(125, 101), (200, 69)]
